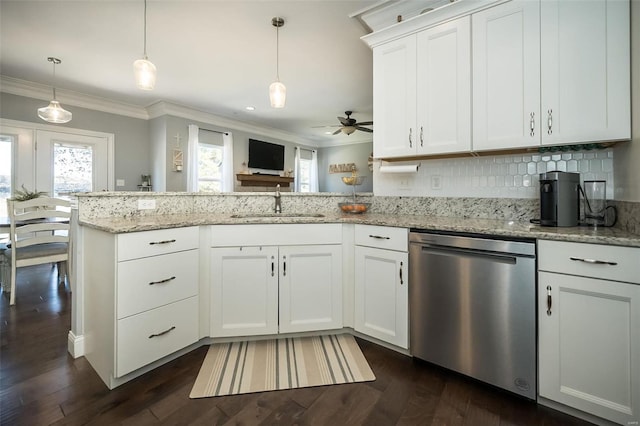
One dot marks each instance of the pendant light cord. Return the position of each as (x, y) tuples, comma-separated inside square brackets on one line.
[(54, 80), (145, 29), (277, 53)]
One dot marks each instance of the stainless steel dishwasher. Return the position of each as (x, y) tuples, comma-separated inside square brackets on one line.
[(472, 304)]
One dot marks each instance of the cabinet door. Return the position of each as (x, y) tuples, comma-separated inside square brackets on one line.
[(589, 345), (506, 76), (444, 88), (381, 295), (310, 288), (244, 291), (585, 71), (394, 98)]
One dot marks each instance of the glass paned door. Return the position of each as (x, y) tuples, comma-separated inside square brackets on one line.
[(6, 171), (69, 163)]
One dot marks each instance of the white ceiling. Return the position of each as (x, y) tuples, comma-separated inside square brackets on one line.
[(212, 55)]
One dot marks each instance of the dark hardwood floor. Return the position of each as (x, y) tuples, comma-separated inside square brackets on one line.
[(40, 384)]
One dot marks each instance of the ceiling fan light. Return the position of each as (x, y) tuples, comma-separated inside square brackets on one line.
[(348, 130), (145, 74), (277, 94), (54, 113)]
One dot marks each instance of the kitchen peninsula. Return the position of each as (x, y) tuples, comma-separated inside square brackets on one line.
[(185, 235)]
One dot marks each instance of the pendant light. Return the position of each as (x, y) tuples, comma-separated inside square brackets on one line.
[(54, 113), (143, 69), (277, 90)]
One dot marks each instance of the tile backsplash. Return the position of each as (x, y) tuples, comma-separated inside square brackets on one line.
[(500, 176)]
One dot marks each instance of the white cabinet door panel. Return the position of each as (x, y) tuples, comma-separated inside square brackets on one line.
[(506, 76), (244, 296), (381, 295), (444, 88), (589, 350), (394, 98), (585, 71), (310, 288)]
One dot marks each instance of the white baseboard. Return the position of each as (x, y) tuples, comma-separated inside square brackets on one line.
[(75, 345)]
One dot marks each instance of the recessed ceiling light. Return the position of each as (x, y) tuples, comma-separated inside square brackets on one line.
[(250, 108)]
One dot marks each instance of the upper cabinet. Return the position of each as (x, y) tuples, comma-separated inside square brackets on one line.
[(422, 92), (506, 76), (394, 98), (544, 73), (585, 71)]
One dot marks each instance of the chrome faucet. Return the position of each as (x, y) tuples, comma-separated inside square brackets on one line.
[(278, 208)]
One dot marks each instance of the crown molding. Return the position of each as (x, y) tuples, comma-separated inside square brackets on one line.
[(330, 144), (30, 89), (161, 108)]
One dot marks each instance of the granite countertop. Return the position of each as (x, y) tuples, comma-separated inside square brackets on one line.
[(517, 229)]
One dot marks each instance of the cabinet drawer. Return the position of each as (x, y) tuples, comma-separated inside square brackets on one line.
[(382, 237), (150, 243), (149, 336), (151, 282), (275, 234), (590, 260)]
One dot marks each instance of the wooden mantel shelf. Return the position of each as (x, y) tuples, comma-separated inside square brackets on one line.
[(263, 180)]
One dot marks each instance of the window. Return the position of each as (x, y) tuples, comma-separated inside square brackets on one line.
[(209, 167), (305, 174), (72, 169), (6, 157)]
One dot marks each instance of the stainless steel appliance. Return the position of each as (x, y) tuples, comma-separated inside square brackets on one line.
[(559, 199), (472, 307)]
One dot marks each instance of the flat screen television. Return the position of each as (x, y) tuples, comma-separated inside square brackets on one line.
[(265, 155)]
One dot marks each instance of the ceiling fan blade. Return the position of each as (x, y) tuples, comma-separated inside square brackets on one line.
[(337, 131), (344, 121), (322, 127), (364, 129), (365, 123)]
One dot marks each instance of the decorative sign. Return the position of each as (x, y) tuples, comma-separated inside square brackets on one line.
[(342, 168)]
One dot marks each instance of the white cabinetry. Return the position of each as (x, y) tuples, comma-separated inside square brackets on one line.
[(589, 339), (551, 73), (141, 298), (381, 284), (422, 92), (585, 71), (506, 76), (282, 278)]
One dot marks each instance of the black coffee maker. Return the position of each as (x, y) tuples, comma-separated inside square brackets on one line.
[(559, 199)]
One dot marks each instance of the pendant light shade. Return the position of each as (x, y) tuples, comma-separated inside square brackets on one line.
[(54, 113), (143, 69), (277, 94), (277, 90), (145, 73)]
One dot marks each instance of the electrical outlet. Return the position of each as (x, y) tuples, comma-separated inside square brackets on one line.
[(119, 182), (436, 182), (147, 204), (404, 183)]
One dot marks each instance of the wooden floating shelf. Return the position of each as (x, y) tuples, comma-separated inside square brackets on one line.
[(263, 180)]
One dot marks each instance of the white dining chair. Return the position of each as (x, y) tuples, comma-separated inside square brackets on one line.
[(39, 234)]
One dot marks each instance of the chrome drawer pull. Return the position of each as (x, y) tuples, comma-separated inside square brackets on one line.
[(166, 280), (379, 237), (163, 332), (594, 261), (549, 301), (162, 242)]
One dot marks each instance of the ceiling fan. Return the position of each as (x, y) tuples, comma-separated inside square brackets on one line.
[(349, 125)]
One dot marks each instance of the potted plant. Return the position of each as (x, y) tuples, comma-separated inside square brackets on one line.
[(25, 194)]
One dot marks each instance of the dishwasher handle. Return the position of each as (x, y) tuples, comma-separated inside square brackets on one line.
[(487, 255)]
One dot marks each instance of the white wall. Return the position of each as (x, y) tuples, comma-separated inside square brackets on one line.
[(627, 155)]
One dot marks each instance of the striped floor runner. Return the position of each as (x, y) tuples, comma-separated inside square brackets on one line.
[(265, 365)]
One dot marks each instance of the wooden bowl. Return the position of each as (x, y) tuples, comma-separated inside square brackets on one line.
[(354, 208)]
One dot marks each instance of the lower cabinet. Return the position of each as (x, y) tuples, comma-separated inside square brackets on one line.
[(258, 290), (381, 284), (589, 329), (141, 298)]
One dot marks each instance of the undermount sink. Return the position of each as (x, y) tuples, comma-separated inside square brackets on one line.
[(267, 215)]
